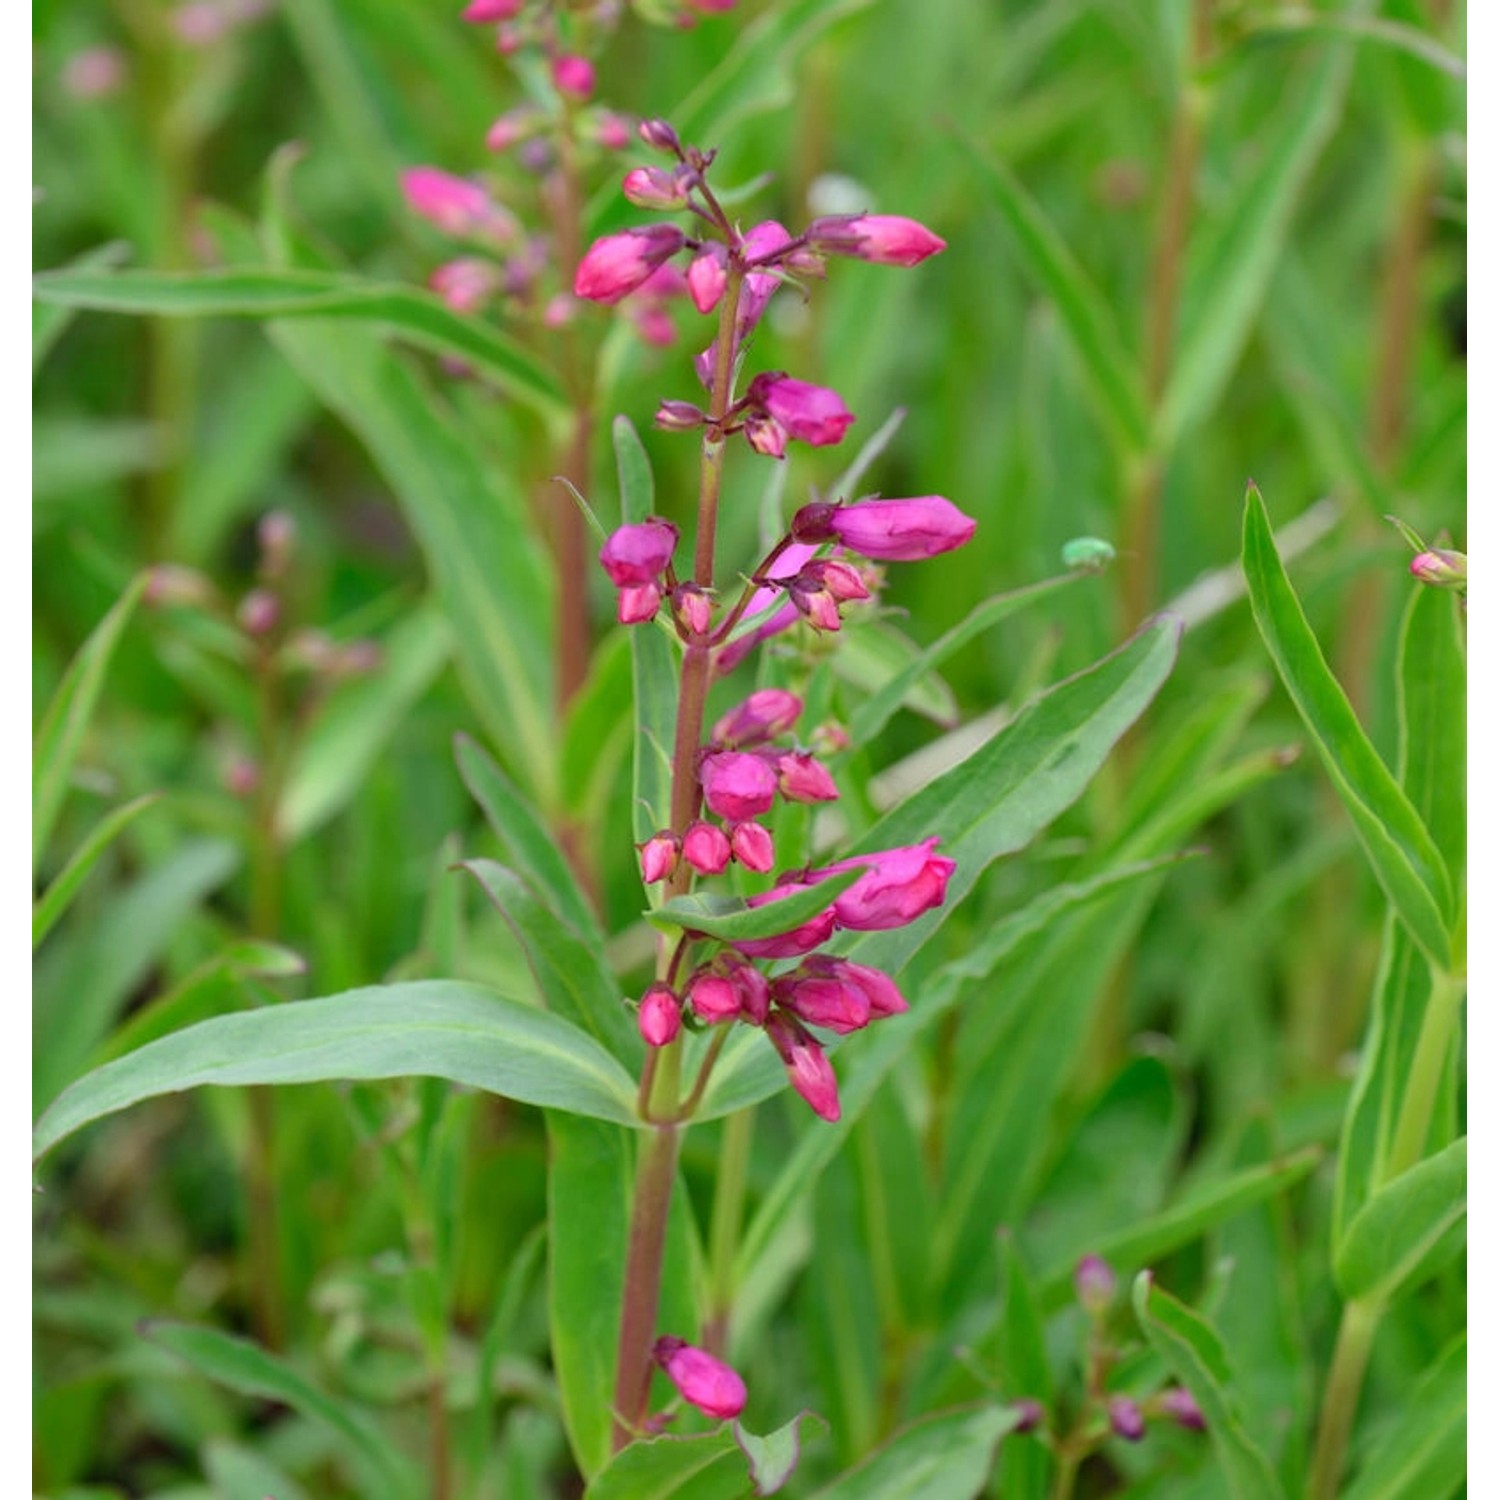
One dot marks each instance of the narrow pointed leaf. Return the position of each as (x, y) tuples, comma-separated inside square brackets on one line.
[(732, 921), (946, 1455), (59, 895), (49, 320)]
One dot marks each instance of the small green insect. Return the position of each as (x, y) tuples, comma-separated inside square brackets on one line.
[(1088, 554)]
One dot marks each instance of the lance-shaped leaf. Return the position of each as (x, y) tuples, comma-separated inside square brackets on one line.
[(947, 1454), (59, 895), (1401, 851), (432, 1028), (734, 921)]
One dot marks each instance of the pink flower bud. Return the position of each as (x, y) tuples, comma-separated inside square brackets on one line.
[(1179, 1405), (619, 263), (761, 717), (1126, 1419), (659, 857), (1441, 567), (654, 187), (1095, 1282), (812, 933), (701, 1380), (514, 126), (693, 608), (841, 580), (707, 275), (887, 530), (899, 886), (753, 988), (801, 779), (258, 612), (637, 604), (812, 414), (816, 605), (638, 553), (807, 1065), (713, 998), (464, 284), (885, 239), (706, 848), (612, 131), (752, 847), (825, 1001), (660, 1017), (737, 786), (762, 243), (94, 73), (481, 12), (679, 416), (659, 136), (454, 205), (879, 988), (766, 435), (573, 75)]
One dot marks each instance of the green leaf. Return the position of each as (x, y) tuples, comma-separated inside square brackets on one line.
[(49, 321), (732, 921), (874, 655), (530, 847), (430, 1028), (250, 1370), (1399, 847), (774, 1457), (352, 730), (1407, 1231), (59, 895), (938, 1458), (571, 975), (653, 661), (60, 734), (1423, 1454), (1023, 1370), (243, 1474), (415, 315), (1196, 1356), (1226, 282), (1046, 259), (707, 1467)]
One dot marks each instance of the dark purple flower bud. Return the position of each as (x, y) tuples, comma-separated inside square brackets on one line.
[(654, 187), (701, 1380), (660, 136), (1126, 1419), (659, 857), (706, 848), (887, 530), (1179, 1405), (618, 264), (802, 779), (638, 553), (761, 717), (885, 239), (807, 1065), (1095, 1282), (660, 1016), (737, 786), (1030, 1414), (753, 847), (812, 414)]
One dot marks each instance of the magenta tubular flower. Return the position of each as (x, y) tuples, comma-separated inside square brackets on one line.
[(807, 1065), (455, 206), (637, 604), (707, 274), (822, 1000), (706, 848), (660, 1017), (731, 654), (900, 884), (812, 414), (752, 847), (465, 284), (638, 553), (753, 987), (879, 988), (573, 75), (701, 1380), (713, 998), (801, 778), (659, 857), (885, 239), (761, 717), (887, 530), (737, 786), (812, 933), (764, 240), (618, 264)]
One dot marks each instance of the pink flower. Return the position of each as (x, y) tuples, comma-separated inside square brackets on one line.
[(620, 263), (900, 884), (752, 847), (753, 987), (879, 988), (573, 75), (812, 414), (761, 717), (637, 604), (812, 933), (713, 998), (454, 205), (706, 848), (707, 274), (653, 187), (732, 653), (807, 1065), (639, 552), (1441, 567), (464, 284), (825, 1001), (480, 12), (737, 786), (885, 239), (887, 530), (800, 778), (693, 608), (701, 1380), (766, 435), (660, 1017), (659, 857)]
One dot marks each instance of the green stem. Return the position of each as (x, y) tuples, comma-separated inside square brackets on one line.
[(1346, 1375), (1428, 1062), (724, 1229)]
